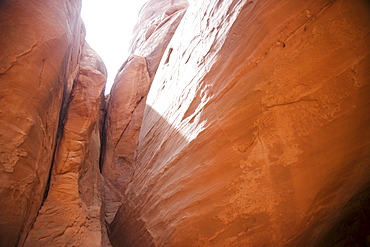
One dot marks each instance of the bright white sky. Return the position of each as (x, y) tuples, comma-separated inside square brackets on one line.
[(109, 25)]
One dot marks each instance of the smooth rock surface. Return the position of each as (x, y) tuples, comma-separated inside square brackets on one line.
[(158, 19), (71, 213), (40, 47), (256, 129), (123, 121)]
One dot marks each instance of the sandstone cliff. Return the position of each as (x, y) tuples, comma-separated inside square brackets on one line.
[(256, 129), (158, 20), (40, 47), (231, 123), (70, 215)]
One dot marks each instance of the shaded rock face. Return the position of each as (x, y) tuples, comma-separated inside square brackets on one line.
[(256, 130), (157, 22), (124, 115), (70, 215), (40, 47)]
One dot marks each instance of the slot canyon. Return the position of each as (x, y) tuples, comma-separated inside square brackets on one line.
[(230, 123)]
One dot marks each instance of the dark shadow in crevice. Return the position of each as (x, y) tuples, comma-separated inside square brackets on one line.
[(353, 229)]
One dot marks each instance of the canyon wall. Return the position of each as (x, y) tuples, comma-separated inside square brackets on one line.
[(71, 212), (40, 47), (158, 20), (255, 130), (231, 123)]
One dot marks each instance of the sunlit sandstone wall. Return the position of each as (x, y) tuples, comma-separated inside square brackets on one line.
[(40, 47), (256, 129)]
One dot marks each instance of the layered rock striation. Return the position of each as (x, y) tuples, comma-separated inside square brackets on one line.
[(40, 48), (232, 123), (71, 213), (256, 129)]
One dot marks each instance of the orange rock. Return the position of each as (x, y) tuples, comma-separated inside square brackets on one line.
[(256, 129), (70, 215), (124, 115), (157, 22), (40, 43)]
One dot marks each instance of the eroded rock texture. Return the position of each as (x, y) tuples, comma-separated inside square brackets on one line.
[(256, 129), (124, 115), (158, 20), (157, 23), (40, 46), (70, 215)]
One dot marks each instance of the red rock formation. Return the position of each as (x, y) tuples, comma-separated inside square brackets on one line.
[(40, 46), (70, 215), (158, 20), (156, 25), (256, 130), (124, 115)]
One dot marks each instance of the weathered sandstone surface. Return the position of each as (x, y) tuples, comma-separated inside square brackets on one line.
[(256, 130), (124, 115), (71, 213), (40, 47), (157, 22), (232, 123)]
